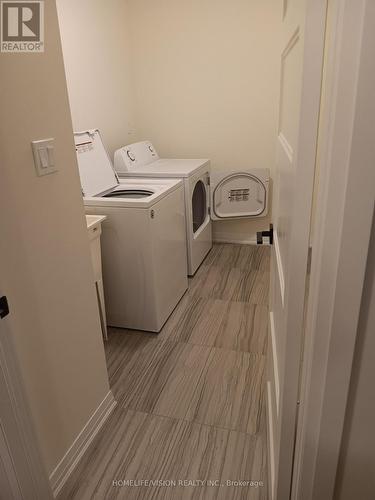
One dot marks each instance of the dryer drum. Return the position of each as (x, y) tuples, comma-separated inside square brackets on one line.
[(199, 205)]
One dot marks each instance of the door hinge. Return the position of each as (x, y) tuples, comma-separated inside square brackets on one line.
[(4, 307)]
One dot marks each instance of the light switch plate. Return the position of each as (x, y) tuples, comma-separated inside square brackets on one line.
[(44, 158)]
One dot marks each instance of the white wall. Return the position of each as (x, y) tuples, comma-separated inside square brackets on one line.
[(45, 266), (96, 54), (205, 75), (204, 79)]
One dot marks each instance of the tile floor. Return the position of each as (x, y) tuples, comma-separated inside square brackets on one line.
[(191, 410)]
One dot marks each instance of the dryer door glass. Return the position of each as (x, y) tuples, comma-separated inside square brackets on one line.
[(199, 205)]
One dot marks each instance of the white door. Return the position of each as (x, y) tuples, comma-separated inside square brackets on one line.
[(22, 473), (301, 60)]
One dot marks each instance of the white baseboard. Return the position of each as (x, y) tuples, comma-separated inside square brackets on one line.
[(239, 239), (71, 458), (270, 444)]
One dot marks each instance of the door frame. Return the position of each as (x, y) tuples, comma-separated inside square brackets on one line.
[(345, 209), (23, 465)]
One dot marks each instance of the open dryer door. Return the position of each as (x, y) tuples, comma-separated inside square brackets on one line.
[(239, 194)]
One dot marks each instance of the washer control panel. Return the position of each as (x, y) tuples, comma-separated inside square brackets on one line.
[(135, 155)]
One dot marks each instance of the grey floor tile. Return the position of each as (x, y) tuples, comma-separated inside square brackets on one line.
[(191, 398), (213, 322), (135, 446), (230, 393)]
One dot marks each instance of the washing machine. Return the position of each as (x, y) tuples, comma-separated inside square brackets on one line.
[(143, 238), (218, 195), (141, 159)]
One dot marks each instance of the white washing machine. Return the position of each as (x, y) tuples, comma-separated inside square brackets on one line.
[(219, 195), (143, 238), (140, 159)]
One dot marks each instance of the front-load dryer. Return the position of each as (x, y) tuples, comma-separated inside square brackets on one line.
[(218, 195), (143, 238)]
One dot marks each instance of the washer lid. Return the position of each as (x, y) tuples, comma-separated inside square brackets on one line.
[(239, 194), (95, 167)]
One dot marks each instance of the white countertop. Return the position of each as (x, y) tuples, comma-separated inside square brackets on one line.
[(94, 220)]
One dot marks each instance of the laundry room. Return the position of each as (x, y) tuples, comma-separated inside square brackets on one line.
[(174, 108), (184, 312), (196, 79), (154, 289)]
